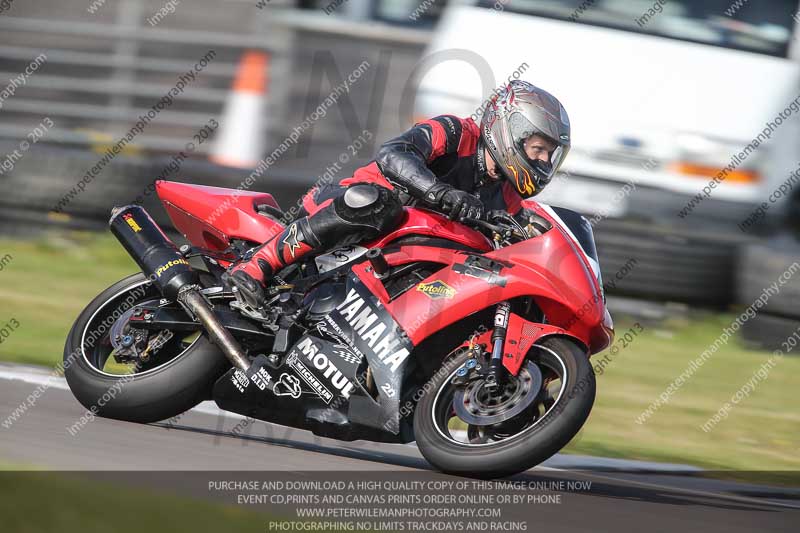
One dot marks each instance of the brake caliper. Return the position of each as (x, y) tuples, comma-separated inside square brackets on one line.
[(472, 368)]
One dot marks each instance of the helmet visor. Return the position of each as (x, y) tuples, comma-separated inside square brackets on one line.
[(521, 130)]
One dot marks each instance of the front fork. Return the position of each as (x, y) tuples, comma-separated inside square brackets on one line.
[(497, 373)]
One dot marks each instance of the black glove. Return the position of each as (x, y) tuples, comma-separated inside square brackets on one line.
[(455, 203)]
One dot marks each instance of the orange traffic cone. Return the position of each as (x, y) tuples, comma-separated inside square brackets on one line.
[(240, 141)]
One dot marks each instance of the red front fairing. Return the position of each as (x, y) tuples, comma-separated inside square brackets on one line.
[(550, 268)]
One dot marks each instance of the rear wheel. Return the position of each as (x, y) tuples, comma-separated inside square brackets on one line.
[(470, 431), (178, 374)]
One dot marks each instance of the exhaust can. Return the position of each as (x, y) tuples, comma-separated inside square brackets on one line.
[(153, 251)]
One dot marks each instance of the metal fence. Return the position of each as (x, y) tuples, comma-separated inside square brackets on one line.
[(105, 68)]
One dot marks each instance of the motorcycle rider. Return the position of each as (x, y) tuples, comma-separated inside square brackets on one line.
[(446, 164)]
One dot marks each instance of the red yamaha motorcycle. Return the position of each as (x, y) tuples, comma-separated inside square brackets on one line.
[(472, 339)]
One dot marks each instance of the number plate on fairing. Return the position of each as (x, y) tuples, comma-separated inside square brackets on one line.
[(339, 257)]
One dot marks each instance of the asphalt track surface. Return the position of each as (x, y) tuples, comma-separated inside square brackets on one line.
[(624, 495)]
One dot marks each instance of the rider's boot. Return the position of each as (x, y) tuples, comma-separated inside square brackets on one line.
[(250, 276)]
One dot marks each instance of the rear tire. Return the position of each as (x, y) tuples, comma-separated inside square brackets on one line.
[(157, 394), (517, 453)]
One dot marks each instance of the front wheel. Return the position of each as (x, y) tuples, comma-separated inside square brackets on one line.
[(179, 374), (469, 431)]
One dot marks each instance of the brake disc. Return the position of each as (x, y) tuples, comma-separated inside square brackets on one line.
[(475, 405)]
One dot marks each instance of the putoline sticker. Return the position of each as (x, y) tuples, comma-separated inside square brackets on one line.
[(436, 290)]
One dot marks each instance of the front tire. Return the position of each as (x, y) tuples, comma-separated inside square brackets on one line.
[(545, 435), (154, 393)]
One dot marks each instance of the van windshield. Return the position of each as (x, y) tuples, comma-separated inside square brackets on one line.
[(756, 26)]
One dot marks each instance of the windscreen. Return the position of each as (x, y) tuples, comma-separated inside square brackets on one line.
[(756, 26), (581, 230)]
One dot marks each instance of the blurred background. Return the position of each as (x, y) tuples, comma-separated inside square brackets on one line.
[(663, 97)]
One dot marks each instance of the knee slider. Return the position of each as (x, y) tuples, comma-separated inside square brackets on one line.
[(370, 205), (361, 196)]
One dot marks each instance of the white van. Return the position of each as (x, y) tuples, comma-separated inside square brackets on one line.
[(663, 95)]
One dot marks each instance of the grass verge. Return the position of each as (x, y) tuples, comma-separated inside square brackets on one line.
[(759, 433)]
